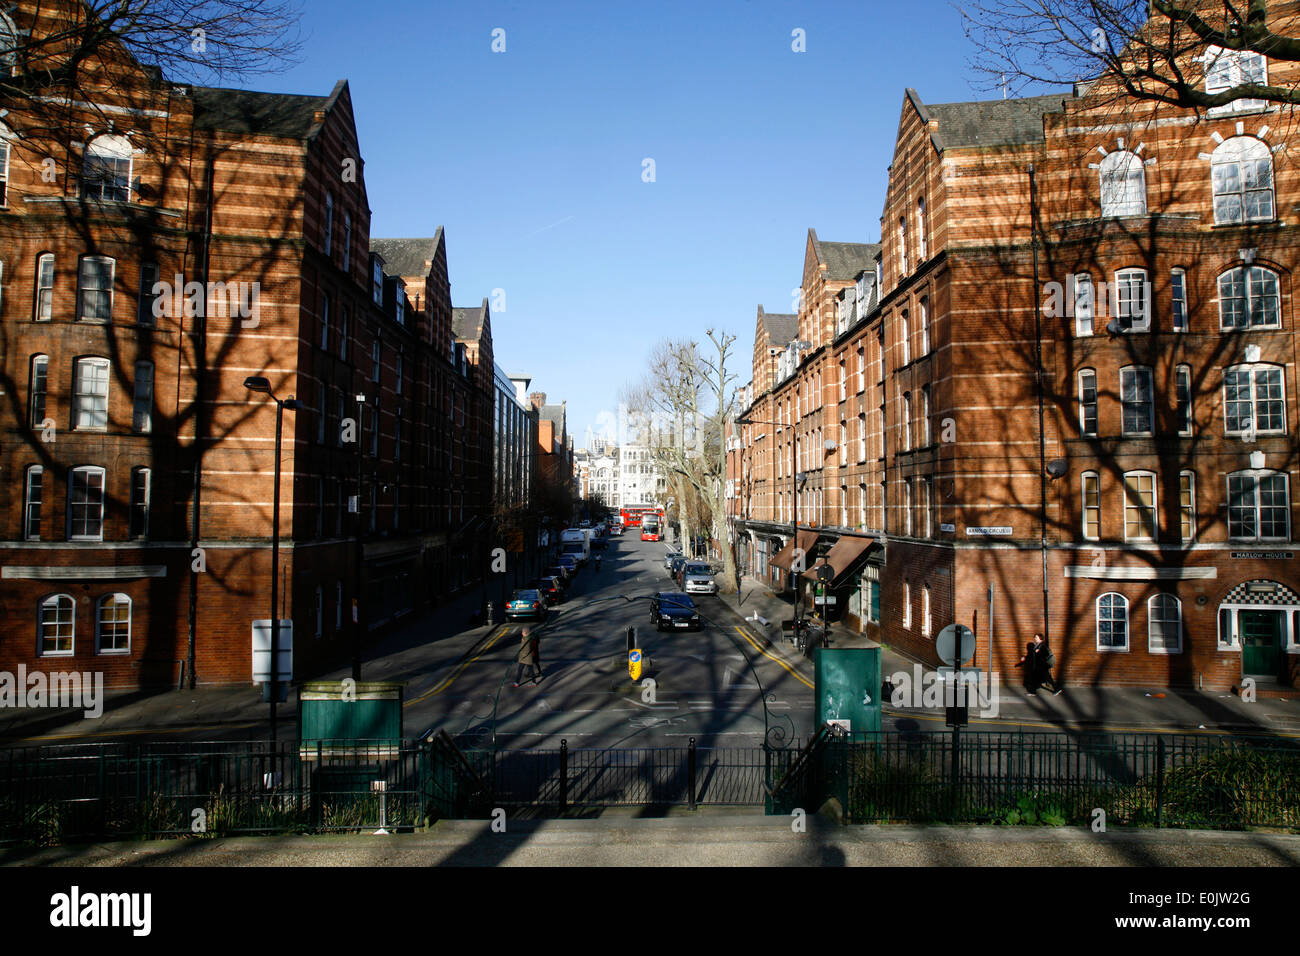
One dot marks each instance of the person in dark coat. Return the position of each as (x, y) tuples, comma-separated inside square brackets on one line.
[(529, 656), (1028, 674), (1044, 661)]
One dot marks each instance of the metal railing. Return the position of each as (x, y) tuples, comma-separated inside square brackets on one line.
[(132, 790)]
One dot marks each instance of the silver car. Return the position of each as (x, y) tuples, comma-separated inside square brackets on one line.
[(697, 579)]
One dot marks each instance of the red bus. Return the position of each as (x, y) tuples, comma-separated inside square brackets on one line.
[(632, 514), (651, 526)]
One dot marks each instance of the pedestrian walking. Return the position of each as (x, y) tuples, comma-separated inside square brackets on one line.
[(529, 656), (1028, 674), (1044, 661)]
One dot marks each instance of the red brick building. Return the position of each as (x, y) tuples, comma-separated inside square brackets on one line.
[(195, 237), (1147, 524)]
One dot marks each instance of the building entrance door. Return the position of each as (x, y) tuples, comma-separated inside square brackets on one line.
[(1261, 643)]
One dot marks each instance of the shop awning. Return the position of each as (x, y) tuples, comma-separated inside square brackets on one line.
[(807, 540), (843, 557)]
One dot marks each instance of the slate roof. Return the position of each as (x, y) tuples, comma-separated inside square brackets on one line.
[(467, 323), (781, 328), (286, 115), (846, 260), (407, 257), (990, 122), (553, 413)]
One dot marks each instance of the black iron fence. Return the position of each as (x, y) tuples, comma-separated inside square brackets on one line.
[(126, 790)]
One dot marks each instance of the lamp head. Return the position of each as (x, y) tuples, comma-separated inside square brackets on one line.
[(258, 383)]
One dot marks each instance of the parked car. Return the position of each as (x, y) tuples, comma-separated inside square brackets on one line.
[(551, 589), (560, 573), (697, 578), (668, 559), (571, 563), (616, 531), (526, 603), (673, 610), (675, 565)]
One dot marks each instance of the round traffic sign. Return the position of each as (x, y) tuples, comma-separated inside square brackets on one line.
[(826, 574), (946, 644), (634, 656)]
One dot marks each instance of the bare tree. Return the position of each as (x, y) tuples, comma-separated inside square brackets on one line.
[(1149, 49), (688, 396)]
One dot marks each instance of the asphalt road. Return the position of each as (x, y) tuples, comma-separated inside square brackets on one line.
[(706, 684)]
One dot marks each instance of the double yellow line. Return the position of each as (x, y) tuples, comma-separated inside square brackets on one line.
[(446, 682), (772, 657)]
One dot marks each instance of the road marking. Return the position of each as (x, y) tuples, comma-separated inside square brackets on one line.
[(502, 630), (791, 671)]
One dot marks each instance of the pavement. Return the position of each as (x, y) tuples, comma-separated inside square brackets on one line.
[(419, 653), (1145, 709), (694, 839)]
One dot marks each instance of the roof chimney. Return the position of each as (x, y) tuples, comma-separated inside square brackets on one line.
[(537, 398)]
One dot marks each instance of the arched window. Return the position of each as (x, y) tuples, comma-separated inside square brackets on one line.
[(1112, 622), (1248, 299), (1123, 185), (1164, 625), (113, 625), (1241, 176), (56, 626), (106, 168)]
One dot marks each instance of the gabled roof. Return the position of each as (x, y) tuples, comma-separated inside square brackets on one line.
[(467, 323), (989, 122), (407, 257), (287, 115), (552, 413), (781, 328), (844, 260)]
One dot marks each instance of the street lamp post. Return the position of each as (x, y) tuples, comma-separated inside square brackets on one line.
[(258, 383), (358, 548)]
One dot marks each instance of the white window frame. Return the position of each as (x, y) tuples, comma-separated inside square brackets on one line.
[(907, 508), (924, 306), (35, 475), (1139, 373), (38, 386), (1242, 174), (922, 247), (1123, 606), (115, 598), (925, 416), (907, 421), (85, 290), (1085, 375), (1253, 400), (1130, 506), (43, 307), (1250, 286), (1187, 511), (1093, 478), (907, 605), (107, 152), (1123, 185), (85, 404), (905, 336), (57, 600), (1085, 303), (1179, 318), (146, 505), (1157, 615), (1255, 476), (1132, 312), (1225, 69), (925, 611), (99, 521), (1183, 399)]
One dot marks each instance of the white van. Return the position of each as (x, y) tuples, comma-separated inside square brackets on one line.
[(576, 542)]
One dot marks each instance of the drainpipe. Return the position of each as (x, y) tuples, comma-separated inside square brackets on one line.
[(1038, 385)]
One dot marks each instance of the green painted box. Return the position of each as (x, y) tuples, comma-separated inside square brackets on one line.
[(363, 719), (847, 686)]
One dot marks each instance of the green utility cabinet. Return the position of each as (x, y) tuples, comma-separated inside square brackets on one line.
[(355, 717), (847, 686)]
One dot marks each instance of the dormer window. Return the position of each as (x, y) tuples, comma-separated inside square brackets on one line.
[(1225, 69), (106, 169)]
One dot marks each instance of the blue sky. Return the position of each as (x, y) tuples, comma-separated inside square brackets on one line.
[(532, 159)]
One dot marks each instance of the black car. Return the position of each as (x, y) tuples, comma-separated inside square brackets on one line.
[(673, 610), (675, 565), (559, 572), (550, 588)]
